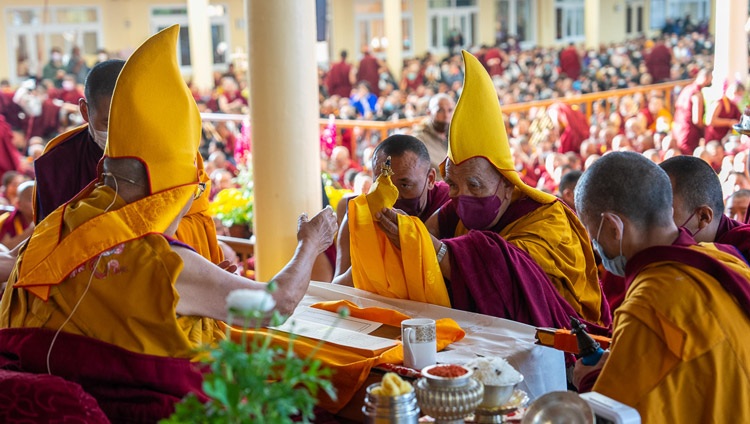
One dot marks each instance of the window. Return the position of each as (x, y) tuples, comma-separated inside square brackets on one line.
[(65, 27), (569, 23), (370, 26), (452, 23), (672, 10), (165, 16), (514, 20)]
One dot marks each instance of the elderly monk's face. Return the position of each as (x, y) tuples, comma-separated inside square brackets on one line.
[(478, 178), (412, 177)]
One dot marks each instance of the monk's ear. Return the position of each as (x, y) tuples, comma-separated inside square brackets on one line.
[(616, 225), (705, 216), (431, 175), (84, 107)]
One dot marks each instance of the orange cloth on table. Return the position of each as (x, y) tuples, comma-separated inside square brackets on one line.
[(379, 267), (131, 300), (352, 366), (564, 254), (700, 340), (197, 228)]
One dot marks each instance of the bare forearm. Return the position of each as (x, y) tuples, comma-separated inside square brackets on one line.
[(294, 278)]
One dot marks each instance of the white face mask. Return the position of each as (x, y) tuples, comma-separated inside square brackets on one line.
[(100, 137)]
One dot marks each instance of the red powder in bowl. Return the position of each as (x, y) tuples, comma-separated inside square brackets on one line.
[(448, 371)]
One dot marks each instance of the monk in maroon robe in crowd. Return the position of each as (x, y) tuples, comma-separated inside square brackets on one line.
[(570, 62), (369, 70), (10, 158), (722, 114), (337, 79), (69, 162), (10, 110), (659, 62), (571, 124), (493, 61), (687, 126)]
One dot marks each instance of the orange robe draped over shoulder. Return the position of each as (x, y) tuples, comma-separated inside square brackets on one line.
[(130, 301), (681, 351)]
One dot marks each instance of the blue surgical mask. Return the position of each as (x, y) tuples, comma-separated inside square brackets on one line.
[(614, 265)]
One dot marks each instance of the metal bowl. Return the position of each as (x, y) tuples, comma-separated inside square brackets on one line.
[(559, 408), (495, 396)]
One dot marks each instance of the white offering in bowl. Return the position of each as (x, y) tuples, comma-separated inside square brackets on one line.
[(499, 379)]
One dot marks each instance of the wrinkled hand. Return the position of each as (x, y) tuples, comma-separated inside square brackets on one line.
[(580, 371), (318, 231), (388, 222)]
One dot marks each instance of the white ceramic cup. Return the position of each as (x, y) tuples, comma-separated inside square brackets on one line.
[(420, 342)]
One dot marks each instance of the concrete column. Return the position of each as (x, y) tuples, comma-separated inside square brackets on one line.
[(342, 30), (283, 111), (486, 21), (419, 17), (730, 58), (394, 53), (604, 21), (545, 24), (201, 50)]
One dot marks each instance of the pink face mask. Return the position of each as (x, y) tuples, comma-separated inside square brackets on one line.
[(477, 213)]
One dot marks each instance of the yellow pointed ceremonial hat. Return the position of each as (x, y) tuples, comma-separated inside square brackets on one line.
[(478, 130), (156, 118)]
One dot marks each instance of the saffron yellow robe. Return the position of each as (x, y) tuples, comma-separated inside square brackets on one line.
[(554, 237), (131, 299), (681, 351)]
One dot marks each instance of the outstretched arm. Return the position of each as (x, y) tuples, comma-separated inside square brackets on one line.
[(203, 287)]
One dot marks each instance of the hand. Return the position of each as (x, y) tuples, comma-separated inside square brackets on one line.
[(388, 222), (319, 231), (580, 371), (228, 267)]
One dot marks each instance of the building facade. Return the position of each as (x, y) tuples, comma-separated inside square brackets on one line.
[(30, 29)]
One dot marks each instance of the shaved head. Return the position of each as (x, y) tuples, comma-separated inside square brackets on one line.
[(694, 182), (626, 183)]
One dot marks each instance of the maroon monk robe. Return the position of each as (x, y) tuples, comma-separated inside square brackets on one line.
[(13, 225), (659, 62), (685, 133), (570, 62), (337, 80), (65, 170), (575, 129), (46, 124), (494, 277), (435, 199), (727, 110), (10, 110), (735, 234), (680, 251), (10, 158), (129, 386), (369, 71)]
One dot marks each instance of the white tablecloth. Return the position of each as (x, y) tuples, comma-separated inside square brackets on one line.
[(543, 368)]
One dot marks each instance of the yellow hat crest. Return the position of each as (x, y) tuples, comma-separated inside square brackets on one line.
[(478, 130), (163, 124)]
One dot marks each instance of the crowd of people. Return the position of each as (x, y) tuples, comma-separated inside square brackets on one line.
[(616, 220)]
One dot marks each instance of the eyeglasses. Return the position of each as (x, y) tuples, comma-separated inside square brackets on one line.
[(199, 191)]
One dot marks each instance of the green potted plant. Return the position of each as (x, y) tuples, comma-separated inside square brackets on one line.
[(234, 206)]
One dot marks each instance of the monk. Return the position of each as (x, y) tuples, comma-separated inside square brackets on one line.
[(722, 114), (680, 351), (737, 205), (10, 158), (420, 195), (69, 161), (18, 225), (571, 125), (504, 249), (688, 125), (699, 207), (339, 78), (148, 182)]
